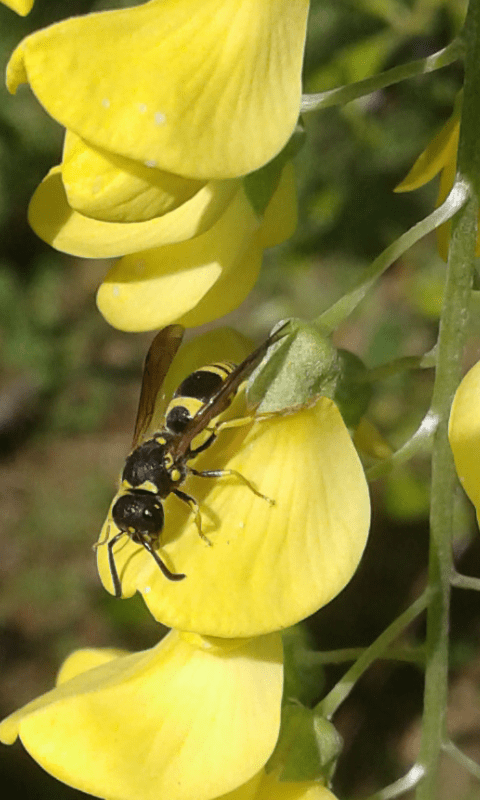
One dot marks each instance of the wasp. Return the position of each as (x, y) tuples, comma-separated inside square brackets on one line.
[(158, 463)]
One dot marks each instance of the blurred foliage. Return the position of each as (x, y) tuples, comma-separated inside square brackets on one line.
[(69, 383)]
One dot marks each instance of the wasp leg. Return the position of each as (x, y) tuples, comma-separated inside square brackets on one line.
[(195, 509), (207, 443), (222, 473), (238, 422), (104, 540), (117, 586), (172, 576)]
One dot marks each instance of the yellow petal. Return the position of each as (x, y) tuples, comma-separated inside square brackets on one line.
[(268, 566), (206, 90), (151, 289), (88, 658), (177, 721), (438, 153), (22, 7), (280, 218), (369, 440), (70, 232), (464, 434), (266, 787), (272, 789), (104, 186), (231, 288)]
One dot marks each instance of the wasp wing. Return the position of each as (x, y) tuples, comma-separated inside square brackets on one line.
[(159, 357), (221, 399)]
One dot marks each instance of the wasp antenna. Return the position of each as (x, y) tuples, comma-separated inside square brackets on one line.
[(172, 576), (117, 586)]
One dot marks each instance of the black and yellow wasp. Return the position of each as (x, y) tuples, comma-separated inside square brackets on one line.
[(158, 466)]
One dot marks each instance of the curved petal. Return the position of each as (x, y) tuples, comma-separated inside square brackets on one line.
[(268, 566), (265, 786), (177, 721), (230, 290), (208, 90), (105, 186), (434, 158), (464, 434), (150, 289), (82, 660), (281, 217), (22, 7), (70, 232)]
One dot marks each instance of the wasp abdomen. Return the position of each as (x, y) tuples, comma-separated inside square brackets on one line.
[(197, 388)]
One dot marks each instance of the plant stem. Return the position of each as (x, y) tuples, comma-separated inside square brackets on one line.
[(333, 316), (342, 689), (461, 758), (344, 94), (452, 334)]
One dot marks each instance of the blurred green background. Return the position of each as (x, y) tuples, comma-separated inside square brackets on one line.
[(69, 385)]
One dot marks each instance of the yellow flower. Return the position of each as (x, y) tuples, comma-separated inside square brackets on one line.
[(22, 7), (464, 434), (204, 90), (268, 566), (166, 106), (188, 719), (439, 156), (198, 280)]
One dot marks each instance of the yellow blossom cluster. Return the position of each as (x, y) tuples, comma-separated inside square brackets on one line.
[(179, 102), (169, 107)]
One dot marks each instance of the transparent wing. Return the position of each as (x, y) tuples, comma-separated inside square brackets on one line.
[(159, 357), (221, 399)]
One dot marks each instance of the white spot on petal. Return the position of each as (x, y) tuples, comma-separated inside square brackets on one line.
[(140, 265), (142, 108), (150, 163), (147, 590), (116, 291), (160, 118), (106, 102)]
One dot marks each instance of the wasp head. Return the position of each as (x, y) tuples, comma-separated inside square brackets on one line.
[(139, 515)]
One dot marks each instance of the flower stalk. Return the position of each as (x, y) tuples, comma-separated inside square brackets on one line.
[(452, 336), (352, 91)]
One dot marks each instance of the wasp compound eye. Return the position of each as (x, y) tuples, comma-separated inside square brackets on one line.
[(142, 513)]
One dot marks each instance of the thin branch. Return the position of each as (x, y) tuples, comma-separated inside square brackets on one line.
[(403, 785), (465, 761), (345, 94)]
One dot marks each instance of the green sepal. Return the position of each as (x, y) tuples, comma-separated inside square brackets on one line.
[(300, 366), (303, 667), (352, 392), (307, 748), (260, 185)]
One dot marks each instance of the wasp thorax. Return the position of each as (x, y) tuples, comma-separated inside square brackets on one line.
[(148, 464), (142, 513)]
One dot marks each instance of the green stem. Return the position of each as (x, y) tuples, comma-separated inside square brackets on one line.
[(420, 442), (333, 316), (342, 689), (344, 94), (403, 785), (399, 365), (461, 758), (413, 655), (465, 582), (452, 335)]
